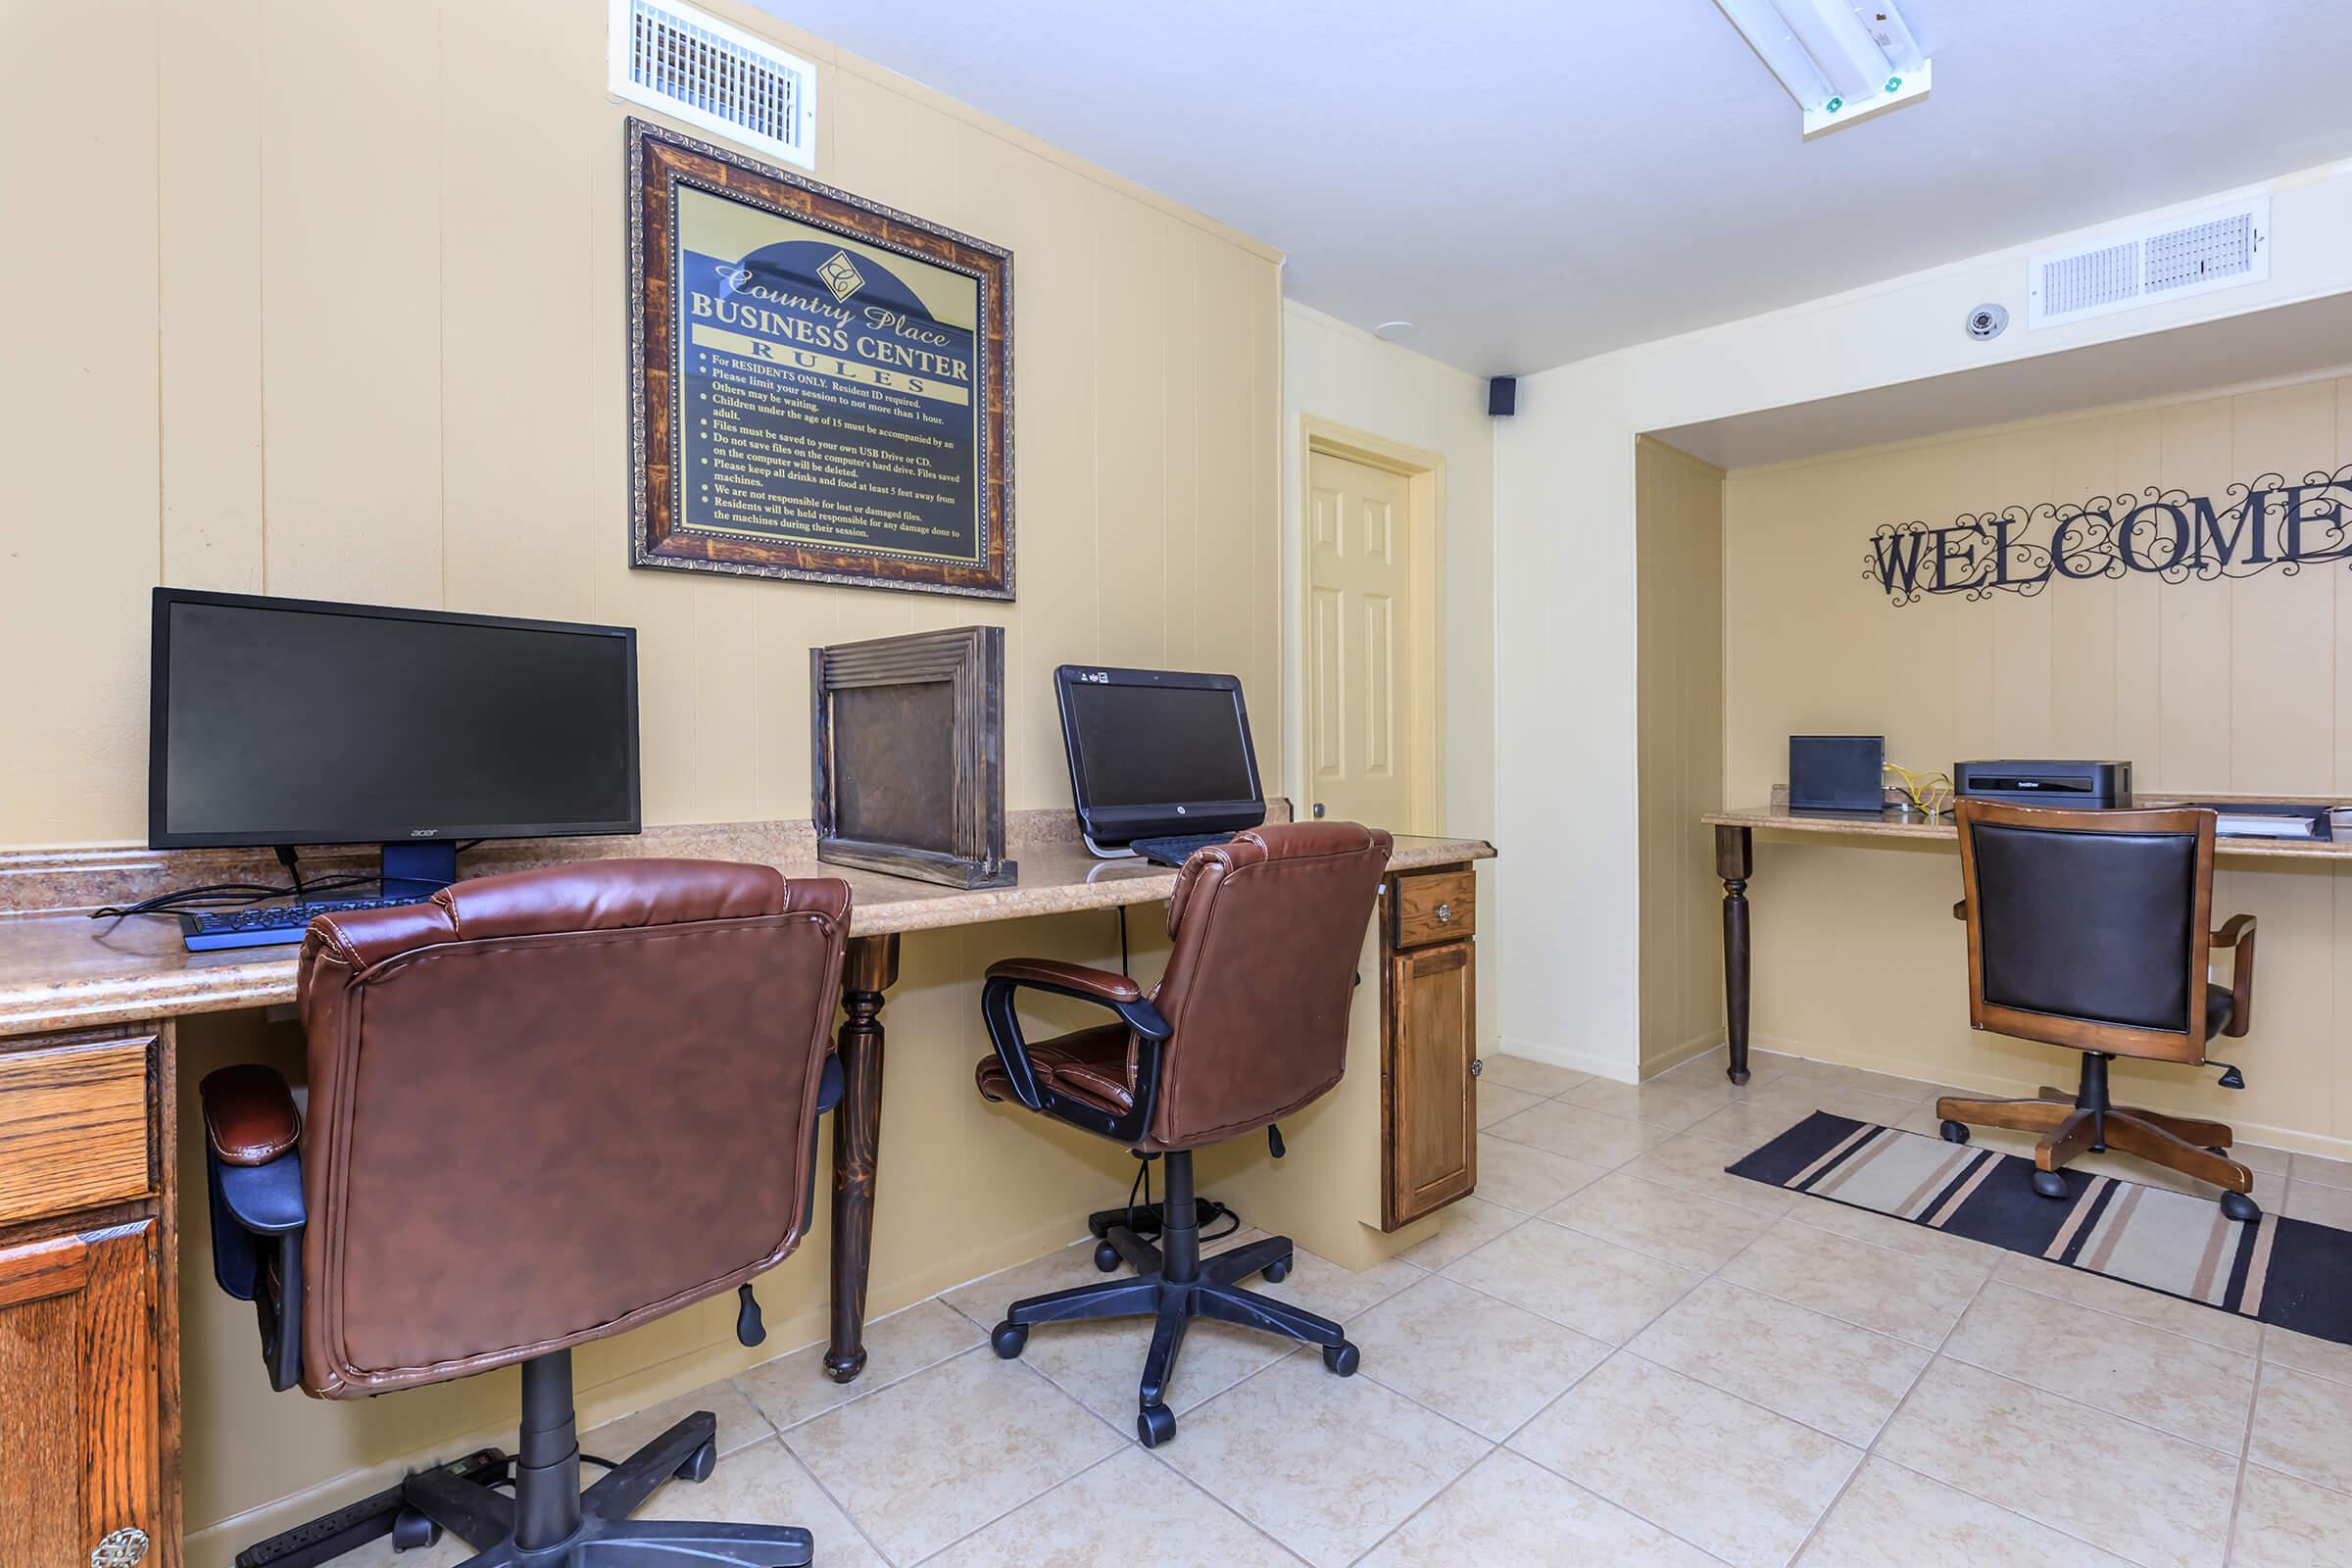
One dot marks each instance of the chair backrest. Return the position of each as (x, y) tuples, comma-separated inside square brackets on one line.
[(551, 1105), (1267, 930), (2089, 929)]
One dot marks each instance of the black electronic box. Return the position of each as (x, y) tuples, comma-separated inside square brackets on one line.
[(2087, 785)]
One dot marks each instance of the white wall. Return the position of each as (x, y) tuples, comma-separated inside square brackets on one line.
[(1567, 905), (1340, 373)]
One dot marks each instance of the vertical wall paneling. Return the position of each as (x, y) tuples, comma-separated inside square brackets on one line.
[(1677, 526)]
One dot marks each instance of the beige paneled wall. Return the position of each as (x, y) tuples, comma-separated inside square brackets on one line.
[(327, 300), (2230, 685), (1677, 524), (332, 305)]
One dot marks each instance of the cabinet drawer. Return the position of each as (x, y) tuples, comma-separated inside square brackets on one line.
[(1428, 907), (73, 1126)]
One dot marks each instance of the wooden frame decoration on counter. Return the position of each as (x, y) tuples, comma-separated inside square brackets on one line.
[(820, 387), (907, 755)]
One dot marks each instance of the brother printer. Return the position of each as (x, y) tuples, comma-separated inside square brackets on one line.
[(2087, 785)]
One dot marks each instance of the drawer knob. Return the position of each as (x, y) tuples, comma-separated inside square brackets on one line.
[(1444, 914), (122, 1549)]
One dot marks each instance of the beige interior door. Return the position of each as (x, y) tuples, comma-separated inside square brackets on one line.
[(1359, 687)]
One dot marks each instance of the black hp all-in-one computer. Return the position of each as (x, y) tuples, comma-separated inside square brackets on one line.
[(287, 721), (1160, 760)]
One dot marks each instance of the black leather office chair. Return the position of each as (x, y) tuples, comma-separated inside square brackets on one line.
[(1248, 1024), (2090, 930), (544, 1107)]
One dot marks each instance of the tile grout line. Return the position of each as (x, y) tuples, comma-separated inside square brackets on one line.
[(2245, 1453)]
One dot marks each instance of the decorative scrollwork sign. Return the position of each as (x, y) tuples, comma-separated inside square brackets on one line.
[(2164, 533)]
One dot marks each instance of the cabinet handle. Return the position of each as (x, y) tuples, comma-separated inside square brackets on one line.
[(1444, 914), (1477, 1067), (122, 1549)]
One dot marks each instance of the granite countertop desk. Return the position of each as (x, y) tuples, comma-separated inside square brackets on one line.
[(1735, 860), (62, 970)]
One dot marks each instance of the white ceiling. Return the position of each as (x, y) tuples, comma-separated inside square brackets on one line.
[(1534, 183)]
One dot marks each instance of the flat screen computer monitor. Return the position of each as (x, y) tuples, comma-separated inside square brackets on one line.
[(1157, 751), (282, 721)]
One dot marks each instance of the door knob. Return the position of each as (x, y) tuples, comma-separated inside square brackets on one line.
[(1477, 1067), (122, 1548), (1318, 810)]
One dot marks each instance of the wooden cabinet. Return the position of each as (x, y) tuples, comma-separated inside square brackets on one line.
[(79, 1441), (88, 1358), (1428, 1084)]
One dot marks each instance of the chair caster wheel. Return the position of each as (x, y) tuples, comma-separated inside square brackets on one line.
[(1008, 1340), (1106, 1256), (2238, 1207), (1954, 1132), (2049, 1184), (1276, 1272), (1154, 1424), (1342, 1358), (411, 1528), (698, 1465)]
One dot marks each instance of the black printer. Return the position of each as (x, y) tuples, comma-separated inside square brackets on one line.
[(2085, 785)]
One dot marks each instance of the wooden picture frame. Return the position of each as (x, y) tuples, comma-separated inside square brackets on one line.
[(820, 387), (908, 756)]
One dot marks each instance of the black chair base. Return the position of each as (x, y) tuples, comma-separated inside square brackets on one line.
[(1173, 1286), (593, 1529)]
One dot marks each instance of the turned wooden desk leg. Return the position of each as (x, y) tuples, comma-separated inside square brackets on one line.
[(1734, 855), (868, 969)]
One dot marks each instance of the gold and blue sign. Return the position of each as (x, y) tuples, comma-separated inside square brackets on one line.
[(821, 386)]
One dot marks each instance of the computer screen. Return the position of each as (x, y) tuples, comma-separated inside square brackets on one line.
[(287, 721), (1157, 751), (1152, 745)]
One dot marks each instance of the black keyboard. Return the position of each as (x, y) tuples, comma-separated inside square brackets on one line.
[(1177, 851), (262, 925)]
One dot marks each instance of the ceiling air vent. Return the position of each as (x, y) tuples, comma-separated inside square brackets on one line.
[(2218, 249), (719, 79)]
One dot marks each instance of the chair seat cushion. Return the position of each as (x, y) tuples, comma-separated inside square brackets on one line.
[(1089, 1065), (2219, 1005)]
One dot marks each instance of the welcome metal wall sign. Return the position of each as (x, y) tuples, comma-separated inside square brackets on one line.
[(2167, 534)]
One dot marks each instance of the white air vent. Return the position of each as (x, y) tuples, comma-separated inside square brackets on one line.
[(722, 79), (2219, 249)]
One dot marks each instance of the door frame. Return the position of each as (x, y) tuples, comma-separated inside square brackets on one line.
[(1424, 473)]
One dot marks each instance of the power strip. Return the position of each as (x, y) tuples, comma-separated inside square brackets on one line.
[(332, 1535)]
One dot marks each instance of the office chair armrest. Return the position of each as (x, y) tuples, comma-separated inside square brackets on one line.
[(2238, 932), (253, 1171), (1070, 979), (1062, 979), (249, 1114)]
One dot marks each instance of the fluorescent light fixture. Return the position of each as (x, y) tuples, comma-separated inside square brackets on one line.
[(1842, 60)]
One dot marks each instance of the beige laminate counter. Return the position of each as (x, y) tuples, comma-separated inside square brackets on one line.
[(1894, 826), (66, 972)]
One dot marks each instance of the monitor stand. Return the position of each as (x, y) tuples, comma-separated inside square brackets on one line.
[(1108, 851), (418, 870)]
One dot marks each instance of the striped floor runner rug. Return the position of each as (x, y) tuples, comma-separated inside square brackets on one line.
[(2290, 1272)]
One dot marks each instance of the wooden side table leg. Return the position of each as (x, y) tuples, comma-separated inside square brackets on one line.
[(869, 969), (1735, 853)]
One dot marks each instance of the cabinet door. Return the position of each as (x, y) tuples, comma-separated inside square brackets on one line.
[(1430, 1155), (78, 1444)]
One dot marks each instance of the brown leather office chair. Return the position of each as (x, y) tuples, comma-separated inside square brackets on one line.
[(1248, 1024), (2092, 930), (544, 1109)]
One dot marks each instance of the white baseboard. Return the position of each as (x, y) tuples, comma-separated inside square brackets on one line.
[(1611, 1065)]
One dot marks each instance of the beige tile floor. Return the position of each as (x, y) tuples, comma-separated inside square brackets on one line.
[(1614, 1355)]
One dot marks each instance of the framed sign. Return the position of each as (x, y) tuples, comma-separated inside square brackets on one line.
[(820, 387)]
